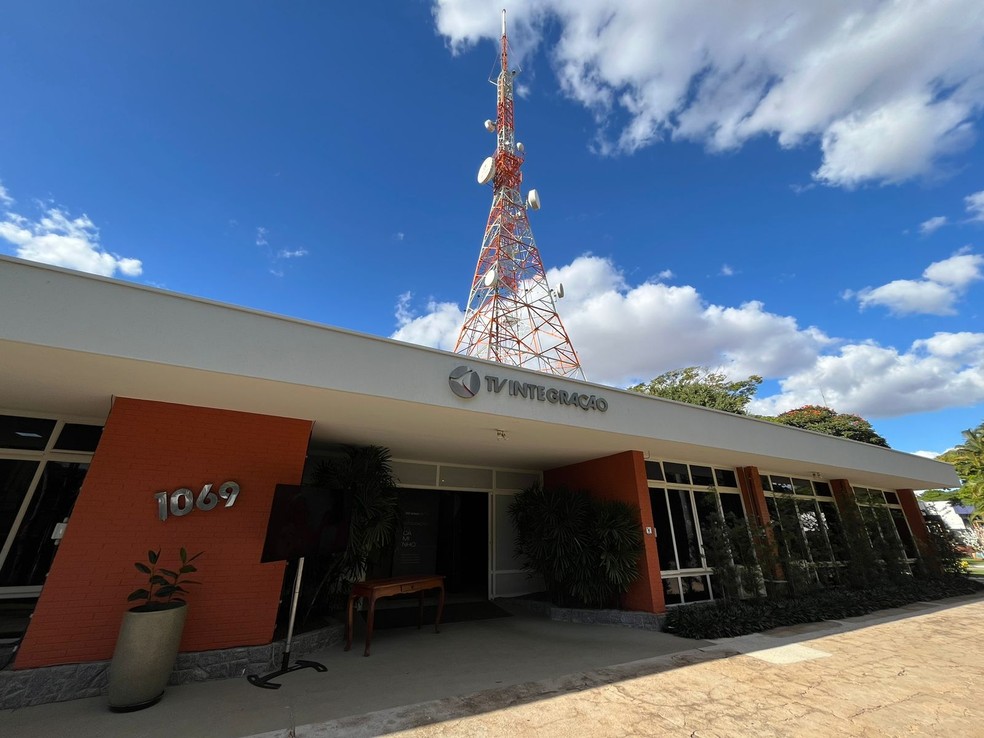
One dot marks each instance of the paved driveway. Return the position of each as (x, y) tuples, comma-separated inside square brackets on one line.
[(916, 671)]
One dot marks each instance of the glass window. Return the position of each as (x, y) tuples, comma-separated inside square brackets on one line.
[(695, 589), (891, 498), (676, 473), (782, 485), (671, 591), (802, 487), (664, 535), (835, 532), (725, 478), (810, 520), (702, 476), (78, 437), (29, 434), (654, 471), (15, 480), (766, 484), (684, 529), (822, 489), (905, 535), (732, 507), (33, 550)]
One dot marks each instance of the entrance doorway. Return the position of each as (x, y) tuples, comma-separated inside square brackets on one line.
[(445, 532)]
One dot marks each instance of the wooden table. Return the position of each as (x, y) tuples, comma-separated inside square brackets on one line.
[(376, 589)]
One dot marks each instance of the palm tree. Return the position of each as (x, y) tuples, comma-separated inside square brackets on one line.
[(968, 462)]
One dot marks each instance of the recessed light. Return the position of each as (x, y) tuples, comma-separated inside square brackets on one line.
[(28, 434)]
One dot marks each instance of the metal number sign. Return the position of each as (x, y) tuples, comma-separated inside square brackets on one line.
[(183, 501)]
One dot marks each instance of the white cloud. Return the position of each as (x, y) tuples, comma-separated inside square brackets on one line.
[(943, 283), (5, 199), (975, 205), (438, 327), (946, 370), (627, 333), (727, 271), (399, 235), (888, 88), (56, 238), (666, 274), (261, 236), (932, 225), (297, 253)]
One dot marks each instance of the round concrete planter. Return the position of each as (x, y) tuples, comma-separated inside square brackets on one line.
[(144, 657)]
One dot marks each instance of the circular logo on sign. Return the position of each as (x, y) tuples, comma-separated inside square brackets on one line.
[(464, 382)]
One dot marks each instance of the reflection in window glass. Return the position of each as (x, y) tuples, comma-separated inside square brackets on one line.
[(702, 476), (15, 480), (813, 529), (905, 535), (32, 552), (782, 485), (695, 589), (835, 532), (28, 434), (802, 487), (684, 529), (766, 485), (732, 507), (676, 473), (654, 471), (671, 591), (725, 478), (664, 536)]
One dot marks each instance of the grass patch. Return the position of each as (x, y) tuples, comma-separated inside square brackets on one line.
[(726, 619)]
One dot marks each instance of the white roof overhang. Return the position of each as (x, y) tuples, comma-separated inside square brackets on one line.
[(69, 342)]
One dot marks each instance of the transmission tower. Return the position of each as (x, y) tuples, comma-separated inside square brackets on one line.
[(511, 315)]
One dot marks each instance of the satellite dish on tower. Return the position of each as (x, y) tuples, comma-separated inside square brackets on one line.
[(533, 200), (560, 290), (490, 126), (519, 145), (491, 276), (487, 171)]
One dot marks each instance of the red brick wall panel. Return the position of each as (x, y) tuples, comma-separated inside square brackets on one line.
[(621, 477), (149, 447)]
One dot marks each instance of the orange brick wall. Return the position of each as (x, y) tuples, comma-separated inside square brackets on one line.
[(149, 447), (621, 477)]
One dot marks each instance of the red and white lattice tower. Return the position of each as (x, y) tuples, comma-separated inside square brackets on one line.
[(511, 315)]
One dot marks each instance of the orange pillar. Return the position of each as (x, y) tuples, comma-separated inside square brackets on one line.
[(752, 494), (843, 494), (910, 506), (621, 477), (150, 447)]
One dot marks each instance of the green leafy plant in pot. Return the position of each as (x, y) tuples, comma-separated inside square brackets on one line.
[(150, 634)]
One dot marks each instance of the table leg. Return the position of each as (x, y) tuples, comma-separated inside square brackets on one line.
[(348, 623), (440, 609), (372, 617)]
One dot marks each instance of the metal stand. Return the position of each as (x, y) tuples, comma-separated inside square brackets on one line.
[(264, 681)]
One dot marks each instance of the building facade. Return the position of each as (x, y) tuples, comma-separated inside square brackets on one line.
[(133, 419)]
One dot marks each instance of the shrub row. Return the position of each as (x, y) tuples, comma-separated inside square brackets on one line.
[(726, 619)]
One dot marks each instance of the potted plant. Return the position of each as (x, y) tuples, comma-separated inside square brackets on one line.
[(147, 645)]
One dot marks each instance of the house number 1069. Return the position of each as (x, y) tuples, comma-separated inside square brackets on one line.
[(183, 501)]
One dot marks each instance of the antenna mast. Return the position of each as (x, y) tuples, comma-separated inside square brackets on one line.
[(511, 315)]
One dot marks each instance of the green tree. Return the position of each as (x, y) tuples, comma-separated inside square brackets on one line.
[(698, 385), (831, 422), (968, 462)]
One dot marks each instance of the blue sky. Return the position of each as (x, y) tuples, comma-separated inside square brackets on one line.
[(791, 193)]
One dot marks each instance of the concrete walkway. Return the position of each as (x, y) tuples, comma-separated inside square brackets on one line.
[(912, 671)]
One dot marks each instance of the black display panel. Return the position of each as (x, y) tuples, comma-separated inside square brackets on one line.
[(306, 521)]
